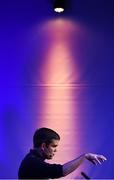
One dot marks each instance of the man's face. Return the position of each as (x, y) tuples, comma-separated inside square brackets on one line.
[(50, 150)]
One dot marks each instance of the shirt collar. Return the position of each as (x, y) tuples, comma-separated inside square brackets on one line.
[(36, 152)]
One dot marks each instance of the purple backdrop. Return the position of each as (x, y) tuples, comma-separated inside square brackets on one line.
[(24, 46)]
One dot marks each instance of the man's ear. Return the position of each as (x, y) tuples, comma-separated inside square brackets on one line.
[(43, 146)]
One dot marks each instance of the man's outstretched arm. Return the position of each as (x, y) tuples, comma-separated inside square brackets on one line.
[(75, 163)]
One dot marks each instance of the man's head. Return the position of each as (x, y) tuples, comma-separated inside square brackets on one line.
[(47, 140)]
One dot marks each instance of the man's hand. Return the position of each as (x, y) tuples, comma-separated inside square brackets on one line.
[(95, 158), (70, 166)]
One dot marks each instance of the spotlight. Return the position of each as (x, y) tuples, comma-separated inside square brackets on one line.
[(59, 6)]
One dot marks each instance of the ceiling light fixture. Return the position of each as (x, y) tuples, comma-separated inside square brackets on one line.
[(59, 6)]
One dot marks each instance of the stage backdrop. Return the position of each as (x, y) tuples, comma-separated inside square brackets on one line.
[(57, 71)]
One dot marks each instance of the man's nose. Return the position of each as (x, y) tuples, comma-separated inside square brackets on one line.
[(55, 150)]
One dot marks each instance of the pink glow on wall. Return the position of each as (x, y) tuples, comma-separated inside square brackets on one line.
[(58, 74)]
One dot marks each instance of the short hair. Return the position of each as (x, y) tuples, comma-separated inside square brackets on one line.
[(44, 135)]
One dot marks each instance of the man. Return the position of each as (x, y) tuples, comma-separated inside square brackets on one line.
[(45, 143)]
